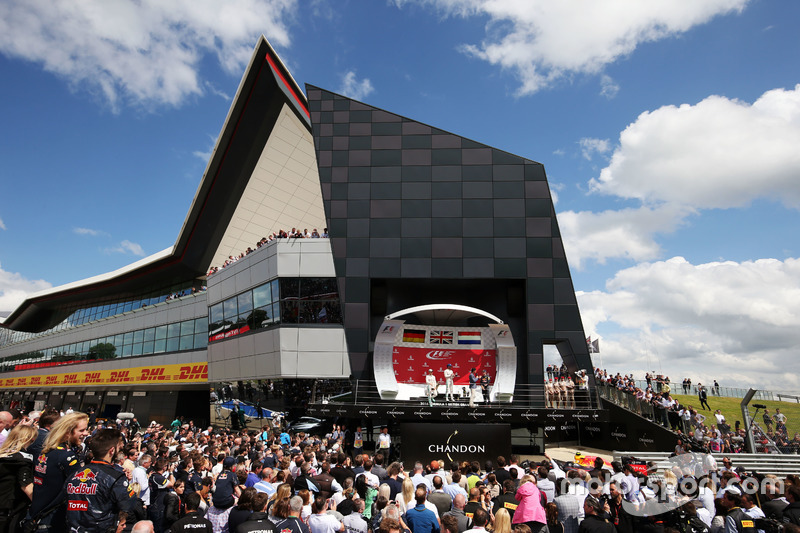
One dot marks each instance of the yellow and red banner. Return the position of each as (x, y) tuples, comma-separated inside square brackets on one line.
[(193, 373)]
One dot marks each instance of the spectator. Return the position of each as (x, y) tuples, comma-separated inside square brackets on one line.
[(420, 519)]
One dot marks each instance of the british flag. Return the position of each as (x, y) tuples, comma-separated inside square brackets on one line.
[(439, 336)]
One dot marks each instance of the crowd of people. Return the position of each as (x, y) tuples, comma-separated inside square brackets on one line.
[(63, 473), (295, 233), (712, 433)]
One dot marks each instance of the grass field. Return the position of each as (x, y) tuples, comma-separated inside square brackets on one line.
[(730, 407)]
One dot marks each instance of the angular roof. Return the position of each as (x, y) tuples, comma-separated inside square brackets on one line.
[(262, 171)]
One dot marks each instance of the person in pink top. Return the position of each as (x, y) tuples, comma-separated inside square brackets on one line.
[(530, 510)]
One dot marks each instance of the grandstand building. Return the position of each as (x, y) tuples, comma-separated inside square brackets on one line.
[(416, 216)]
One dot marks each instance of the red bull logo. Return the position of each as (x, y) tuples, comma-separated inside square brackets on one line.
[(84, 475)]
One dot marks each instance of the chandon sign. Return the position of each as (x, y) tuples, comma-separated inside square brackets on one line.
[(455, 442)]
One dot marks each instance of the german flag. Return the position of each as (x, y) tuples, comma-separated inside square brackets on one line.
[(414, 335)]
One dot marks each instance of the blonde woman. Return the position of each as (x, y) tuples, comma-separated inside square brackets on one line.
[(502, 521), (406, 500), (16, 474)]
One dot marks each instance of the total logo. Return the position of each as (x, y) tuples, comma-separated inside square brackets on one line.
[(438, 355)]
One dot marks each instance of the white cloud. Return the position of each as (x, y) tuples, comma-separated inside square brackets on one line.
[(139, 52), (14, 289), (217, 92), (2, 225), (719, 153), (88, 231), (608, 87), (623, 234), (590, 146), (736, 322), (544, 40), (127, 247), (353, 88), (206, 155)]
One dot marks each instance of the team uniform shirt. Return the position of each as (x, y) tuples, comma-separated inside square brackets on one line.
[(224, 489), (192, 523), (292, 525), (50, 472), (95, 496), (158, 492), (384, 441), (355, 523), (358, 440), (192, 483)]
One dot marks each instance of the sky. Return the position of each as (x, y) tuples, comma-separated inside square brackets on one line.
[(669, 131)]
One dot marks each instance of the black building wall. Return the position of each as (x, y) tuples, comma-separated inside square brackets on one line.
[(418, 215)]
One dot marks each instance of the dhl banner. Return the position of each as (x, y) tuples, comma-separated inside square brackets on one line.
[(195, 373)]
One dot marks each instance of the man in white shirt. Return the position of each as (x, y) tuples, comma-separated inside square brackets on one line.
[(448, 380), (430, 385), (321, 521), (140, 477), (385, 442), (371, 479), (418, 478), (354, 522)]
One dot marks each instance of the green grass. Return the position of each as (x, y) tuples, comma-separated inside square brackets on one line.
[(730, 407)]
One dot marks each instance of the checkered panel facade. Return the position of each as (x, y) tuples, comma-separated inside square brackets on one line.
[(407, 200)]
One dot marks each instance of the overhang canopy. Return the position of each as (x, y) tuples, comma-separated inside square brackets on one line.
[(267, 94)]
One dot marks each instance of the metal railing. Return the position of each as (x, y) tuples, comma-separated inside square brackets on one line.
[(525, 396), (676, 387)]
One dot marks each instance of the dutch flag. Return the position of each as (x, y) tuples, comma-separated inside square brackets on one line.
[(469, 337)]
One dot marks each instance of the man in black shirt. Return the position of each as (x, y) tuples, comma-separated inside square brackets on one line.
[(98, 493), (507, 500), (501, 474), (193, 522), (258, 521), (161, 480), (227, 485)]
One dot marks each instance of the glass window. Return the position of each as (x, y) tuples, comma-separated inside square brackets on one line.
[(137, 348), (138, 336), (215, 313), (289, 312), (187, 342), (262, 295), (126, 350), (173, 343), (127, 338), (174, 330), (200, 325), (187, 327), (149, 334), (245, 302), (200, 340), (147, 347), (160, 346), (290, 287), (128, 307), (161, 332), (276, 313), (229, 309), (260, 318)]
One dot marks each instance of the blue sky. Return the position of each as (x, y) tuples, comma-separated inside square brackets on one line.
[(669, 131)]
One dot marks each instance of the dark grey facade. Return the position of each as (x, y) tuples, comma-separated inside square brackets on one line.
[(418, 215)]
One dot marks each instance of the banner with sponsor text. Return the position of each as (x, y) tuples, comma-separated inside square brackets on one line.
[(412, 364), (191, 373)]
